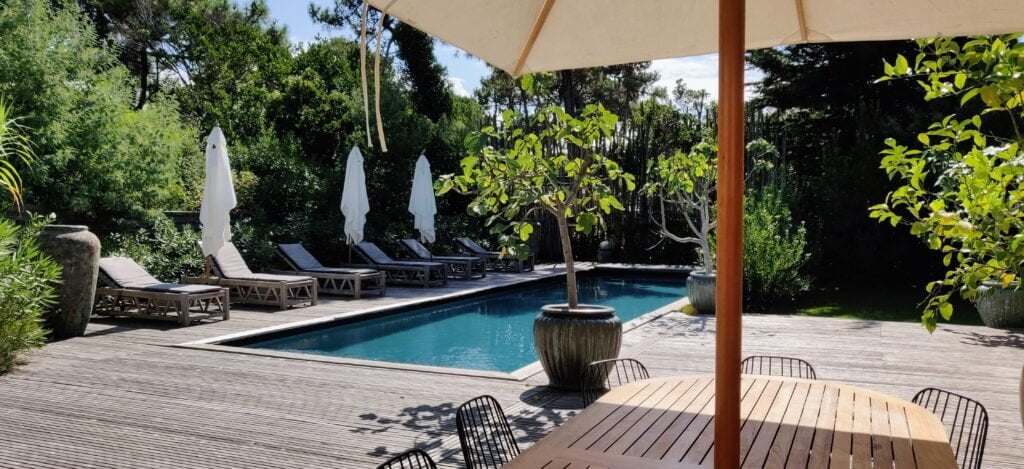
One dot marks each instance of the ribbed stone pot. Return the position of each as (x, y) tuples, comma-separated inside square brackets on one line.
[(1001, 307), (700, 288), (77, 251), (568, 340)]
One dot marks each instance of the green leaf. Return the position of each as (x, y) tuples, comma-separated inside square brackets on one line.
[(960, 80)]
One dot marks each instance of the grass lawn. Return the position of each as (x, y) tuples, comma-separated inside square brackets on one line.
[(873, 303)]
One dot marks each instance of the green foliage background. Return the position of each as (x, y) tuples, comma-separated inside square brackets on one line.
[(26, 289)]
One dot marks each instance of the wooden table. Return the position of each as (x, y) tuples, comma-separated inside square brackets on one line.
[(787, 423)]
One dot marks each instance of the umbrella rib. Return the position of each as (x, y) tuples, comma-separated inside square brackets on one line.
[(802, 18), (542, 18)]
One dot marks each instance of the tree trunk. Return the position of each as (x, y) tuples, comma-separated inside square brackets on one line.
[(570, 268), (143, 79), (568, 92)]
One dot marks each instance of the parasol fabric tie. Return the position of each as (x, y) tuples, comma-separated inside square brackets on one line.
[(362, 72), (363, 42)]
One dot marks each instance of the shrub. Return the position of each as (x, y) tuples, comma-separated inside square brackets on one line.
[(774, 249), (166, 251), (27, 277)]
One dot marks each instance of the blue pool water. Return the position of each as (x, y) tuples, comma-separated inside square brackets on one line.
[(487, 332)]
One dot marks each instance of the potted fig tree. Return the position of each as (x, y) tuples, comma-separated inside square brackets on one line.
[(550, 163), (962, 183), (686, 182)]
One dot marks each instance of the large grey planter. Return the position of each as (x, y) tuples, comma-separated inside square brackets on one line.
[(77, 251), (700, 288), (567, 340), (1001, 307)]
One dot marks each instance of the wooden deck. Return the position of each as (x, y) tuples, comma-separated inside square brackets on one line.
[(123, 396)]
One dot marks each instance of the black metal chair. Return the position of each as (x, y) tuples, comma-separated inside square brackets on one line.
[(601, 376), (777, 366), (484, 433), (412, 459), (966, 421)]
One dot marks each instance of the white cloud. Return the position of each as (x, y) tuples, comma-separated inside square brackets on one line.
[(700, 72), (458, 86)]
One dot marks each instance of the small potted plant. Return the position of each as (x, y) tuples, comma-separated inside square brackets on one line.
[(550, 163), (962, 187), (687, 182)]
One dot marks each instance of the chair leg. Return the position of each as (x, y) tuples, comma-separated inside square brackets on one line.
[(183, 309), (282, 300)]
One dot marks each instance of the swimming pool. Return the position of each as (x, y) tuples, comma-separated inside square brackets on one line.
[(491, 331)]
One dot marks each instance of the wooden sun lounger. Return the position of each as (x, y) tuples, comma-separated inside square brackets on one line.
[(494, 260), (464, 267), (332, 280), (403, 272), (247, 287), (127, 290)]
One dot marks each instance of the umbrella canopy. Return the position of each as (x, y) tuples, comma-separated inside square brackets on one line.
[(354, 203), (218, 194), (422, 205), (521, 36)]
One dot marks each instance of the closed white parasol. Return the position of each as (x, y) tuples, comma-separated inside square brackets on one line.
[(354, 203), (422, 205), (218, 194)]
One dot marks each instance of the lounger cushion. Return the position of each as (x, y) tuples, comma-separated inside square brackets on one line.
[(123, 272), (456, 258), (373, 253), (275, 278), (181, 288), (412, 264), (417, 248), (340, 270), (229, 262), (299, 257), (474, 247)]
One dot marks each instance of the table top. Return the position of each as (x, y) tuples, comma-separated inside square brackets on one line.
[(787, 423)]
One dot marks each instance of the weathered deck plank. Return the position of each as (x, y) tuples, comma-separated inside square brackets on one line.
[(122, 396)]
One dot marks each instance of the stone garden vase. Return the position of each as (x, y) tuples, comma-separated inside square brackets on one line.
[(1001, 307), (77, 251), (700, 287), (568, 340)]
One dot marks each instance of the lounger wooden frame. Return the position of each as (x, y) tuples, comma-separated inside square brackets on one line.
[(185, 308), (494, 260), (280, 293), (466, 268), (406, 272)]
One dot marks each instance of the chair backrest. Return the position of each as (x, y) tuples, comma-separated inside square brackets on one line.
[(228, 263), (417, 248), (777, 366), (124, 272), (601, 376), (966, 422), (484, 433), (372, 253), (412, 459), (298, 257), (472, 246)]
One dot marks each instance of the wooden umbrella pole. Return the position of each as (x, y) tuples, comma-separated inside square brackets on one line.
[(729, 287), (206, 268)]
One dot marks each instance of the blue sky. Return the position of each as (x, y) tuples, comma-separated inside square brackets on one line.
[(465, 72)]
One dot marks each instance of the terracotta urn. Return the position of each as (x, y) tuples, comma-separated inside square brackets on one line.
[(77, 251)]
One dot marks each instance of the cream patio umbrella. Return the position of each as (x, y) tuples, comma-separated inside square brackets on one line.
[(218, 197), (354, 203), (422, 205), (521, 36)]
